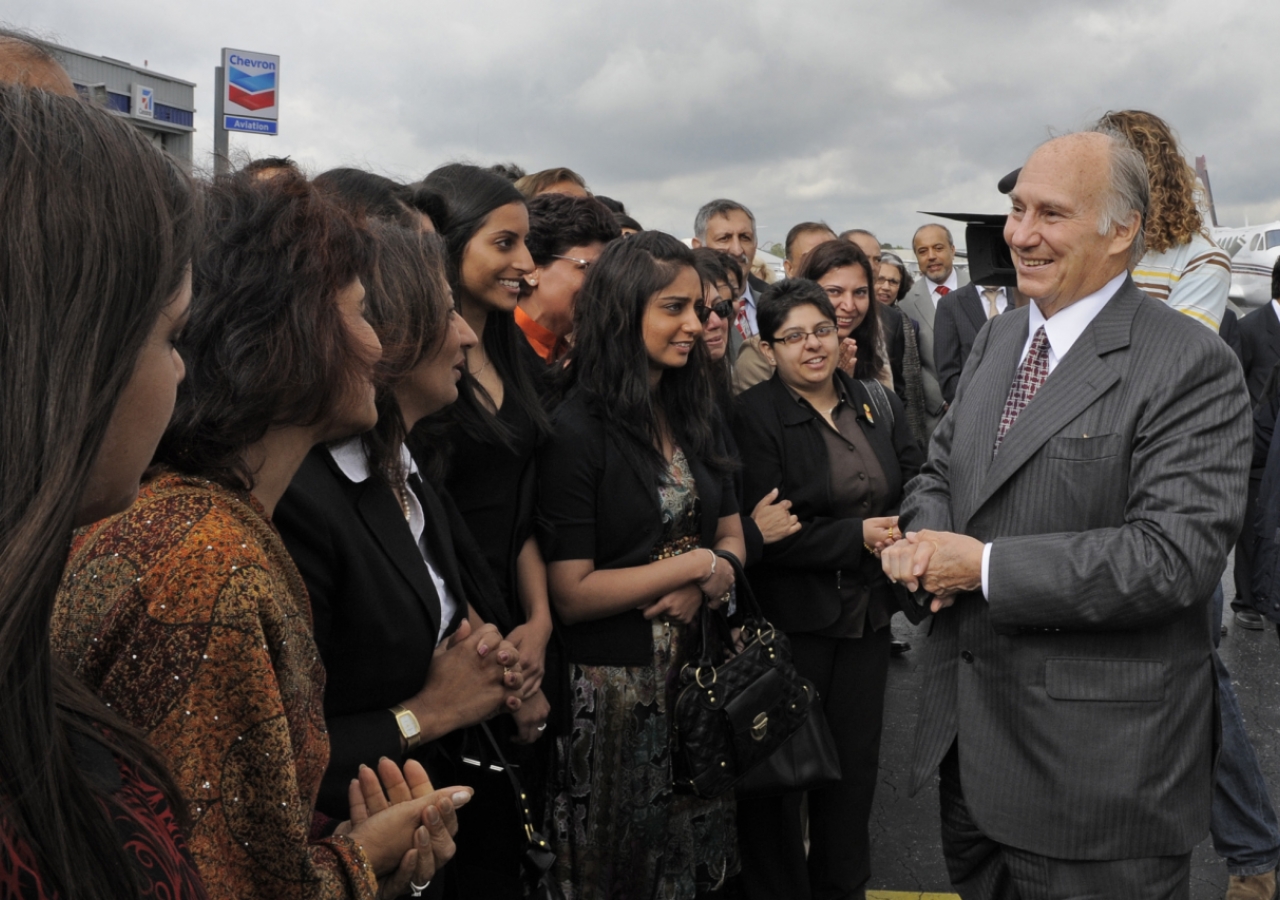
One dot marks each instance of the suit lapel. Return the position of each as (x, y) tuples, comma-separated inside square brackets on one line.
[(971, 303), (1079, 379), (385, 520)]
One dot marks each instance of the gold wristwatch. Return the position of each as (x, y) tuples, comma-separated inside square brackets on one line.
[(410, 730)]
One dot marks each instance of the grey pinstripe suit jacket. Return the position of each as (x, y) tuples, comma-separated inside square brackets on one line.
[(1082, 694)]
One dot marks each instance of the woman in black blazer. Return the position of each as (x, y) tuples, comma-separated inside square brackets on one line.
[(634, 498), (400, 594), (841, 450)]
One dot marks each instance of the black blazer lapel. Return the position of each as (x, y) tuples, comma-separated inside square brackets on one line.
[(971, 303), (440, 546), (385, 520), (1079, 379)]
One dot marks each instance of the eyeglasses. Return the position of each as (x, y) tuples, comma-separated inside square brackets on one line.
[(583, 264), (893, 281), (792, 338), (723, 309)]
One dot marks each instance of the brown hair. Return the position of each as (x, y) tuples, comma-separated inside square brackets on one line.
[(96, 230), (266, 344), (837, 254), (533, 185), (409, 306), (1172, 218)]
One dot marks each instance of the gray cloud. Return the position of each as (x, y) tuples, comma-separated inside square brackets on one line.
[(852, 113)]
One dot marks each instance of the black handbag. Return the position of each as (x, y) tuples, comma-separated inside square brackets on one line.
[(730, 718), (806, 760), (539, 880)]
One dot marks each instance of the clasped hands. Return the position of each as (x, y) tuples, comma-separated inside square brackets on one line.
[(713, 583), (943, 563)]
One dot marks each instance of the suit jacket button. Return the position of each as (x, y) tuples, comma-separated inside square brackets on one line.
[(966, 656)]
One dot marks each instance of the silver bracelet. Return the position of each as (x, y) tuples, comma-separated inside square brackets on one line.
[(712, 573)]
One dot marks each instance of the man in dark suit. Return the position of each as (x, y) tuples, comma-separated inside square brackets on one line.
[(729, 226), (960, 316), (1074, 515), (935, 252), (1259, 334)]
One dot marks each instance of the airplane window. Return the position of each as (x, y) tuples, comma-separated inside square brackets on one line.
[(1255, 241), (1273, 239)]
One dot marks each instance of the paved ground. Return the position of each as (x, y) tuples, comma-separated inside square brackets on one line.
[(906, 853)]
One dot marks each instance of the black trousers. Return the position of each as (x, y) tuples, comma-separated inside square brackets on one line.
[(850, 675), (982, 869)]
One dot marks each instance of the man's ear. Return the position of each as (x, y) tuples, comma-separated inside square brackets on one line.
[(696, 243), (1125, 233), (766, 350), (786, 267)]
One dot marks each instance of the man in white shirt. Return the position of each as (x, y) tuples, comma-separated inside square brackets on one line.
[(1071, 523), (935, 252), (729, 226), (960, 316)]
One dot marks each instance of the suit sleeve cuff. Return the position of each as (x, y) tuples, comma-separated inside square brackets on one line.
[(986, 568)]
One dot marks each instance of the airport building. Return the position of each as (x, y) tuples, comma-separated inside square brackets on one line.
[(160, 106)]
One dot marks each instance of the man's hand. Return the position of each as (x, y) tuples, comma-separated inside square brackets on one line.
[(945, 564)]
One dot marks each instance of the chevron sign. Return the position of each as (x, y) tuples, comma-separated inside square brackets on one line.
[(252, 84)]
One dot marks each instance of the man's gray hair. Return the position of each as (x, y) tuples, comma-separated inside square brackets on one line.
[(945, 229), (1128, 192), (715, 208)]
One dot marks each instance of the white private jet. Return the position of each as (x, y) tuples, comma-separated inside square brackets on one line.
[(1253, 249)]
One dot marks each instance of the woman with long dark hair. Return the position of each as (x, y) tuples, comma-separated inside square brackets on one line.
[(393, 573), (187, 615), (97, 230), (635, 495), (495, 427), (845, 273), (839, 448)]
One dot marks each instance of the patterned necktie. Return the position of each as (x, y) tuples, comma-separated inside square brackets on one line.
[(992, 294), (742, 323), (942, 290), (1031, 375)]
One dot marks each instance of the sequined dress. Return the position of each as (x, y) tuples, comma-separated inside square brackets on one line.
[(620, 831)]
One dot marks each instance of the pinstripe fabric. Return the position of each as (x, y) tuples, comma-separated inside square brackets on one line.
[(1082, 694)]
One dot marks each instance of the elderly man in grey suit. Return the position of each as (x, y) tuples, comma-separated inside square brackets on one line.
[(1076, 510), (936, 253)]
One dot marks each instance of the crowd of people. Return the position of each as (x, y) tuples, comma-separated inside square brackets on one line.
[(356, 534)]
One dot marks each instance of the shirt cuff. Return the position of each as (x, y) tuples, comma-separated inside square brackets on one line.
[(986, 566)]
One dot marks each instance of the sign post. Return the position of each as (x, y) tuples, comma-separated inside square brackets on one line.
[(247, 99)]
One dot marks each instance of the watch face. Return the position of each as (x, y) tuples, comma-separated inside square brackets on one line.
[(408, 723)]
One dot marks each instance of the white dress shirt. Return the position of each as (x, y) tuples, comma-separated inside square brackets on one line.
[(1062, 329), (952, 282), (1275, 307), (749, 310), (350, 457)]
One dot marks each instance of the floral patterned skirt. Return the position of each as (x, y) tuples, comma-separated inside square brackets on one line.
[(620, 831)]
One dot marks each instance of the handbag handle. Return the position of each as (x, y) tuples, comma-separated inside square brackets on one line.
[(747, 602)]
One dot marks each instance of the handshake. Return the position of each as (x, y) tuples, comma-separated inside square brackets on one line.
[(939, 562)]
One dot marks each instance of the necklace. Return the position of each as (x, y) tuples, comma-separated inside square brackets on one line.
[(402, 494)]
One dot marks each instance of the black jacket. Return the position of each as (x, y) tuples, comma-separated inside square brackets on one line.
[(593, 504), (959, 319), (1260, 341), (375, 610), (797, 583), (892, 321)]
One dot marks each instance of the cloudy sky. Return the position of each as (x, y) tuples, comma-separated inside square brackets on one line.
[(856, 113)]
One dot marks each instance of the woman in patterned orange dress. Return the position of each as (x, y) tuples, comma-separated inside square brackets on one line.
[(186, 613)]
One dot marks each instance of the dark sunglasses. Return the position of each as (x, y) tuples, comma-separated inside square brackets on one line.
[(723, 309)]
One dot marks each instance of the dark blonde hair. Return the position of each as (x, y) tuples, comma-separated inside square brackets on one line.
[(1172, 218)]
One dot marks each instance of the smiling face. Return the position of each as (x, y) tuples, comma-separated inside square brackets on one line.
[(934, 252), (808, 364), (140, 417), (555, 287), (495, 260), (888, 280), (433, 383), (735, 234), (671, 327), (1053, 226), (715, 331), (850, 295)]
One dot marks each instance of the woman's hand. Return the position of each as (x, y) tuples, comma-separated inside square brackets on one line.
[(531, 718), (681, 604), (387, 826), (432, 847), (774, 520), (530, 641), (880, 533), (848, 355), (474, 676)]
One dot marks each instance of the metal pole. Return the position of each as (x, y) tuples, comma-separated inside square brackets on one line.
[(221, 142)]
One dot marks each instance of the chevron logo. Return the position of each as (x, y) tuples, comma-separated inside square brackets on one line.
[(251, 91)]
